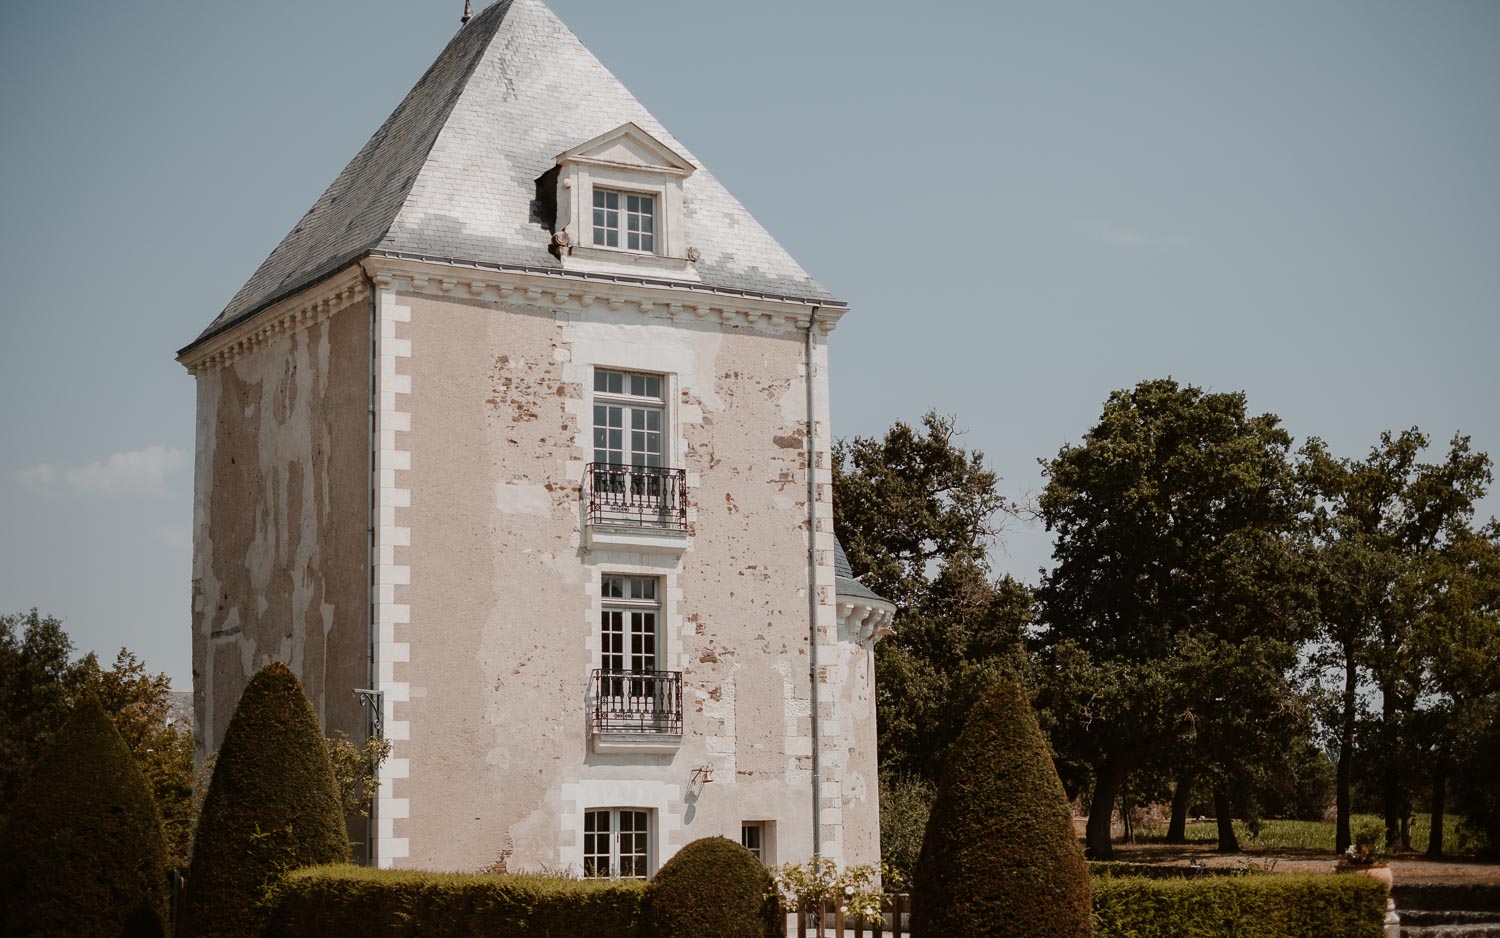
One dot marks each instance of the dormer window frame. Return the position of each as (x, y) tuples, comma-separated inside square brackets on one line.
[(641, 165)]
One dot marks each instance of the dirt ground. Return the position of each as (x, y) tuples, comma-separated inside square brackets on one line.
[(1406, 869)]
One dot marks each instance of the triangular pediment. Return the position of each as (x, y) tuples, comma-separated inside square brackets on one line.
[(628, 146)]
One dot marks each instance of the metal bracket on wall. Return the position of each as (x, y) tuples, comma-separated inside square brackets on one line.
[(374, 701)]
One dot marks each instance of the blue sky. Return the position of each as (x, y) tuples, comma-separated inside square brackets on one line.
[(1027, 205)]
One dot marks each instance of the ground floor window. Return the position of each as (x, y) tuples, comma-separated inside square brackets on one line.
[(616, 843), (755, 837)]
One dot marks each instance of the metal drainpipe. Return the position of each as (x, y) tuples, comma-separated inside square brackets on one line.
[(812, 589), (371, 677)]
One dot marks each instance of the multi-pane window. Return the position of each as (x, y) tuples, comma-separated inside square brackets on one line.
[(629, 418), (753, 838), (627, 629), (616, 844), (625, 219)]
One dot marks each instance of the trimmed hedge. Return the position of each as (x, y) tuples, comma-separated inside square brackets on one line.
[(712, 888), (1284, 905), (338, 901), (1111, 868), (1000, 857), (272, 806), (83, 852)]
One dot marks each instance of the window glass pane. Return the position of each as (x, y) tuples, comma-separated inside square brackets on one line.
[(612, 238), (653, 386), (646, 243), (637, 385), (598, 198), (750, 838)]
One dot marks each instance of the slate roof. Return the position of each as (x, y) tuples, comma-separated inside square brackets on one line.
[(843, 577), (451, 174)]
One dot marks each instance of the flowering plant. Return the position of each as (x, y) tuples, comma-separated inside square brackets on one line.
[(1364, 851), (856, 891)]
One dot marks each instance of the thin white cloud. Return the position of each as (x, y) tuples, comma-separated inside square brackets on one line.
[(136, 472), (1117, 234)]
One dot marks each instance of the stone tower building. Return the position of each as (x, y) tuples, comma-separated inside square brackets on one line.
[(522, 433)]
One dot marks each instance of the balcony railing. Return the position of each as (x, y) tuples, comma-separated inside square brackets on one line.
[(637, 496), (637, 702)]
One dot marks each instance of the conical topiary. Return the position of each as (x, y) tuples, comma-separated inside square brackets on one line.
[(712, 888), (83, 852), (1000, 857), (272, 806)]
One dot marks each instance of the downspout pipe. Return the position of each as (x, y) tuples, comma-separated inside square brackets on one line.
[(372, 676), (812, 590)]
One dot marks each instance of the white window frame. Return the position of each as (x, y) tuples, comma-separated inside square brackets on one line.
[(627, 605), (622, 229), (759, 850), (615, 817), (631, 404)]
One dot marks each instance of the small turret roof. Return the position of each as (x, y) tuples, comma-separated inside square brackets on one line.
[(845, 583), (451, 174)]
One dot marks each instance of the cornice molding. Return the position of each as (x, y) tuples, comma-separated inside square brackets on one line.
[(564, 291), (293, 314), (570, 292)]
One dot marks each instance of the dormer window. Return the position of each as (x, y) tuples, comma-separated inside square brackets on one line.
[(620, 206), (639, 216)]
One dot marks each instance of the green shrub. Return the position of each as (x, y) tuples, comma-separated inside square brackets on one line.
[(905, 805), (338, 901), (712, 888), (83, 851), (1000, 856), (272, 806), (1281, 906)]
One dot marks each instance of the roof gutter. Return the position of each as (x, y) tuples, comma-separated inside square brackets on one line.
[(812, 590)]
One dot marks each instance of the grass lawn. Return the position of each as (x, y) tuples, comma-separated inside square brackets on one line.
[(1318, 835)]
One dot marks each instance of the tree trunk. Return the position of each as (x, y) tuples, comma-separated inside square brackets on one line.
[(1342, 837), (1228, 843), (1439, 804), (1107, 783), (1182, 797), (1128, 831), (1390, 782)]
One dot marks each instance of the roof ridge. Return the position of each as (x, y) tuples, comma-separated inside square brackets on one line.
[(245, 303)]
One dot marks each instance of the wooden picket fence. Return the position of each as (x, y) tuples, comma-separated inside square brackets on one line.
[(830, 922)]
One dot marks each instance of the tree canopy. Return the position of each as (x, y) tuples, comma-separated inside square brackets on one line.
[(1177, 602)]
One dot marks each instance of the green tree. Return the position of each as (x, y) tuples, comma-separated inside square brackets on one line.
[(36, 694), (82, 853), (1380, 522), (272, 806), (1000, 857), (917, 514), (1457, 635), (39, 686), (1177, 601), (139, 705)]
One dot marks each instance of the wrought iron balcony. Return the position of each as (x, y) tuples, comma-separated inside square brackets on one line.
[(637, 496), (637, 702)]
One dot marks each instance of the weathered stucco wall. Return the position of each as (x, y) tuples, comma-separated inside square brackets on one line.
[(280, 514), (498, 596)]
